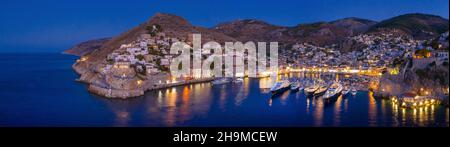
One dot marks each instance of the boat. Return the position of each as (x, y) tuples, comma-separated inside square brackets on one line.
[(345, 91), (238, 80), (220, 81), (295, 86), (322, 89), (301, 88), (354, 91), (280, 87), (309, 90), (333, 91)]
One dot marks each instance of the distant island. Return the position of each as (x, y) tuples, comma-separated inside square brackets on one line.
[(406, 49)]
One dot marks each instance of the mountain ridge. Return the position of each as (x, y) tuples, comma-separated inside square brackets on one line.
[(318, 33)]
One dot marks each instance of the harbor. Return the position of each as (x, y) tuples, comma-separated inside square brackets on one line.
[(232, 104)]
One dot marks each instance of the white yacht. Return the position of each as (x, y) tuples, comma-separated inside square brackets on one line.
[(321, 90), (309, 91), (354, 91), (238, 80), (295, 86), (345, 91), (280, 87), (220, 81), (334, 91)]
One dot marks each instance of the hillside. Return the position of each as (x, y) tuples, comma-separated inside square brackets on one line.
[(419, 26), (320, 33), (174, 26), (354, 25), (87, 47), (251, 30)]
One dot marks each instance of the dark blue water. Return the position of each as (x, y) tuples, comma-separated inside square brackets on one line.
[(39, 90)]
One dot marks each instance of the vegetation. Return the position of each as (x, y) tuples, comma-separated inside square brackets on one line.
[(140, 57), (397, 62), (414, 24), (160, 67), (110, 61), (150, 29), (439, 75), (445, 63), (180, 66), (153, 51)]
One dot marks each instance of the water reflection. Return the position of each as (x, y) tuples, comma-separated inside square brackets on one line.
[(372, 110), (318, 112), (242, 93), (337, 111), (423, 116), (249, 105), (308, 103)]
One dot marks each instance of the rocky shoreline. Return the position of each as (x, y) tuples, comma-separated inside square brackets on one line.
[(110, 86), (432, 84), (124, 94)]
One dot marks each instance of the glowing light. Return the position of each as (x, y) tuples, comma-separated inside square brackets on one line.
[(174, 80), (82, 59)]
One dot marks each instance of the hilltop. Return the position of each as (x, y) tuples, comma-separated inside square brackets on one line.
[(419, 26), (173, 26)]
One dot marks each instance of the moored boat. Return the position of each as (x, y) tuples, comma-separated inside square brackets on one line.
[(334, 91), (321, 90), (238, 80), (301, 88), (220, 81), (353, 91), (345, 91), (295, 86), (309, 90), (280, 87)]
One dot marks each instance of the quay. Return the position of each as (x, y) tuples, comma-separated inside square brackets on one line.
[(129, 93)]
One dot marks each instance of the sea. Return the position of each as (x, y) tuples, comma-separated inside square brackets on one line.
[(40, 90)]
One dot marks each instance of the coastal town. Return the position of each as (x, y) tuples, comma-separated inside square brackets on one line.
[(143, 64)]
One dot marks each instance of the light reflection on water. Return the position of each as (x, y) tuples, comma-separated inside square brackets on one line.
[(60, 101), (247, 104), (318, 112), (372, 110)]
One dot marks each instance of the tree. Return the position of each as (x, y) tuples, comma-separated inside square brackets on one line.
[(140, 57), (110, 61), (158, 27), (435, 44), (432, 64), (180, 66)]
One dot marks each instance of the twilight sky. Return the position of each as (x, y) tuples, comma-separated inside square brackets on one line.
[(55, 25)]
